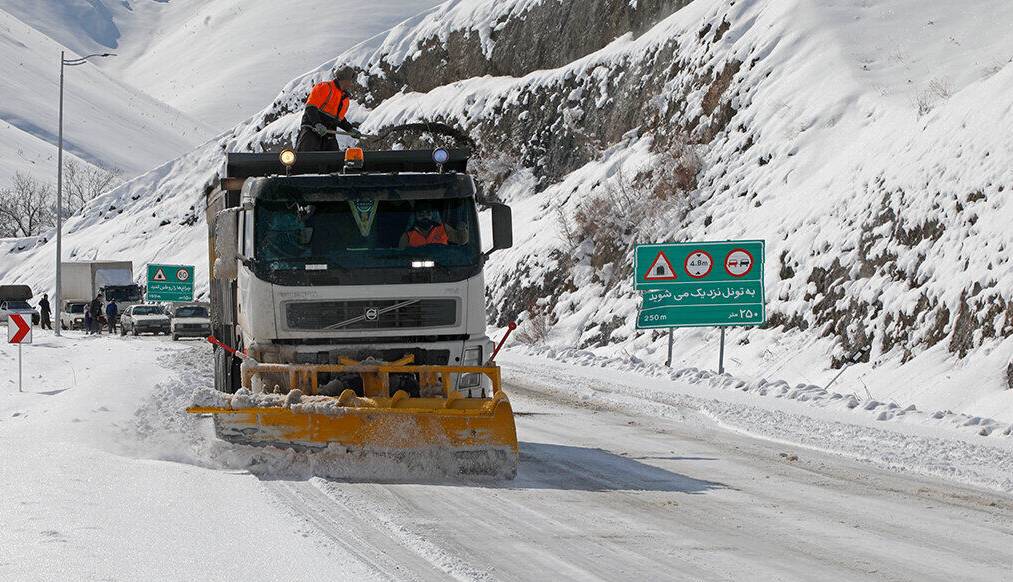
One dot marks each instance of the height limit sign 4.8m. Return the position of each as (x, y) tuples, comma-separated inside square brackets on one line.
[(700, 284)]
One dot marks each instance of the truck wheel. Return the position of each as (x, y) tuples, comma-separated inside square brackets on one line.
[(175, 338)]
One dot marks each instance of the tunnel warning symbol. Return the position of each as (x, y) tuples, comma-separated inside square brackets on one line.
[(661, 269)]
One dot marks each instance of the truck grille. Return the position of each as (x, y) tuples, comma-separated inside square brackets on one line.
[(372, 314)]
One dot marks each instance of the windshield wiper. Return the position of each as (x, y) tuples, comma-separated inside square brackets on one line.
[(379, 312)]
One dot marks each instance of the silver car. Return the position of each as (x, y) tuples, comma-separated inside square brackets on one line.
[(138, 319), (190, 321)]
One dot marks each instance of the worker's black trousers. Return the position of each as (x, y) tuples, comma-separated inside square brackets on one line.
[(311, 141)]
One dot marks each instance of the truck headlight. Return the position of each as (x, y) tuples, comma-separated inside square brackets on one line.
[(472, 357)]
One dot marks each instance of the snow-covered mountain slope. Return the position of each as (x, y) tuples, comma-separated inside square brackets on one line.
[(866, 144), (107, 122), (219, 60)]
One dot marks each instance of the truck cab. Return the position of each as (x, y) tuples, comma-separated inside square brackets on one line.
[(381, 263)]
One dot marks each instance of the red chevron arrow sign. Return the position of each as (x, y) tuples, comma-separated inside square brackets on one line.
[(19, 329)]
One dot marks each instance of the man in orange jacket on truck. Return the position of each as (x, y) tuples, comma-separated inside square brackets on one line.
[(325, 113)]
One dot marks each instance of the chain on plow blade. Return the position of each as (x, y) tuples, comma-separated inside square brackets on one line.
[(478, 432)]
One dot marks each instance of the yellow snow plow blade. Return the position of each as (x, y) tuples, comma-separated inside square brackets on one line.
[(477, 433)]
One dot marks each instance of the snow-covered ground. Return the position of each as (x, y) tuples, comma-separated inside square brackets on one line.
[(622, 475)]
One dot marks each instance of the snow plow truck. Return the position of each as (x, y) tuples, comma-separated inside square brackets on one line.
[(348, 308)]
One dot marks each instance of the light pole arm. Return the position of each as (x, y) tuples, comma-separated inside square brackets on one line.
[(58, 308)]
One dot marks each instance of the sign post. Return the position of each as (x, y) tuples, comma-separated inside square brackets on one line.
[(700, 284), (19, 331), (170, 283)]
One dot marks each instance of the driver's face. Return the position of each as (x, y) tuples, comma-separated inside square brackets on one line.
[(346, 86)]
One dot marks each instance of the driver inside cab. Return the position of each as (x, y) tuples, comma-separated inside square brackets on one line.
[(428, 228)]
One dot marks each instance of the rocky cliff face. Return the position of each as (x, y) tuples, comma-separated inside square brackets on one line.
[(551, 89)]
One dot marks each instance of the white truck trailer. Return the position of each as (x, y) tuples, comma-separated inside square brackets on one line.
[(83, 280)]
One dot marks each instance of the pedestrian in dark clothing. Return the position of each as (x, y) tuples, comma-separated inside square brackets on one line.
[(87, 322), (45, 311), (325, 113), (96, 313), (112, 310)]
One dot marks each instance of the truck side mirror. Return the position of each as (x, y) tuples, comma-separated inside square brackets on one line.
[(227, 244), (502, 227)]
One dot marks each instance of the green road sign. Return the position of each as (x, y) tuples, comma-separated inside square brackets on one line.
[(699, 284), (170, 283)]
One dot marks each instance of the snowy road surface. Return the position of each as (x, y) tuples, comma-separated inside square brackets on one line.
[(105, 479)]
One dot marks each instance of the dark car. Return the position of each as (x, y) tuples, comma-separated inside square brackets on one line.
[(138, 319)]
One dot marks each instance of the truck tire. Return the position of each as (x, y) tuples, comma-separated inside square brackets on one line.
[(228, 377), (175, 338)]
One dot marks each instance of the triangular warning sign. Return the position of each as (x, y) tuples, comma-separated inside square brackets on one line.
[(159, 275), (661, 270)]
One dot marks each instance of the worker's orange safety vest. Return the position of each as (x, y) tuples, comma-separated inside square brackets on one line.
[(330, 99), (436, 236)]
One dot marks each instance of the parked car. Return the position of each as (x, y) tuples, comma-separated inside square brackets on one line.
[(190, 321), (72, 315), (138, 319), (19, 307), (14, 299)]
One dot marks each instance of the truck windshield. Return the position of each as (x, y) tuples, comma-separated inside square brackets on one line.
[(191, 312), (75, 308), (365, 234), (122, 293)]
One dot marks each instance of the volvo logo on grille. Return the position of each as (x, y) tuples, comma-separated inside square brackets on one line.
[(372, 314)]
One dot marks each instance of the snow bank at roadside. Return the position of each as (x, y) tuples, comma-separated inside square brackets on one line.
[(887, 435), (810, 394)]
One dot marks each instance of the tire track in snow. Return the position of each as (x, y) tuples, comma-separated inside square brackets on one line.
[(398, 553)]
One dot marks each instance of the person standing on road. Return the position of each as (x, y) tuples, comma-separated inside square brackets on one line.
[(112, 310), (96, 312), (87, 320), (45, 311), (325, 113)]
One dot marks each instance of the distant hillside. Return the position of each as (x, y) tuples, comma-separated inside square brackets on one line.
[(107, 122), (216, 60)]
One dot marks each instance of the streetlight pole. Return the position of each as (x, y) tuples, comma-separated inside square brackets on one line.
[(64, 62)]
